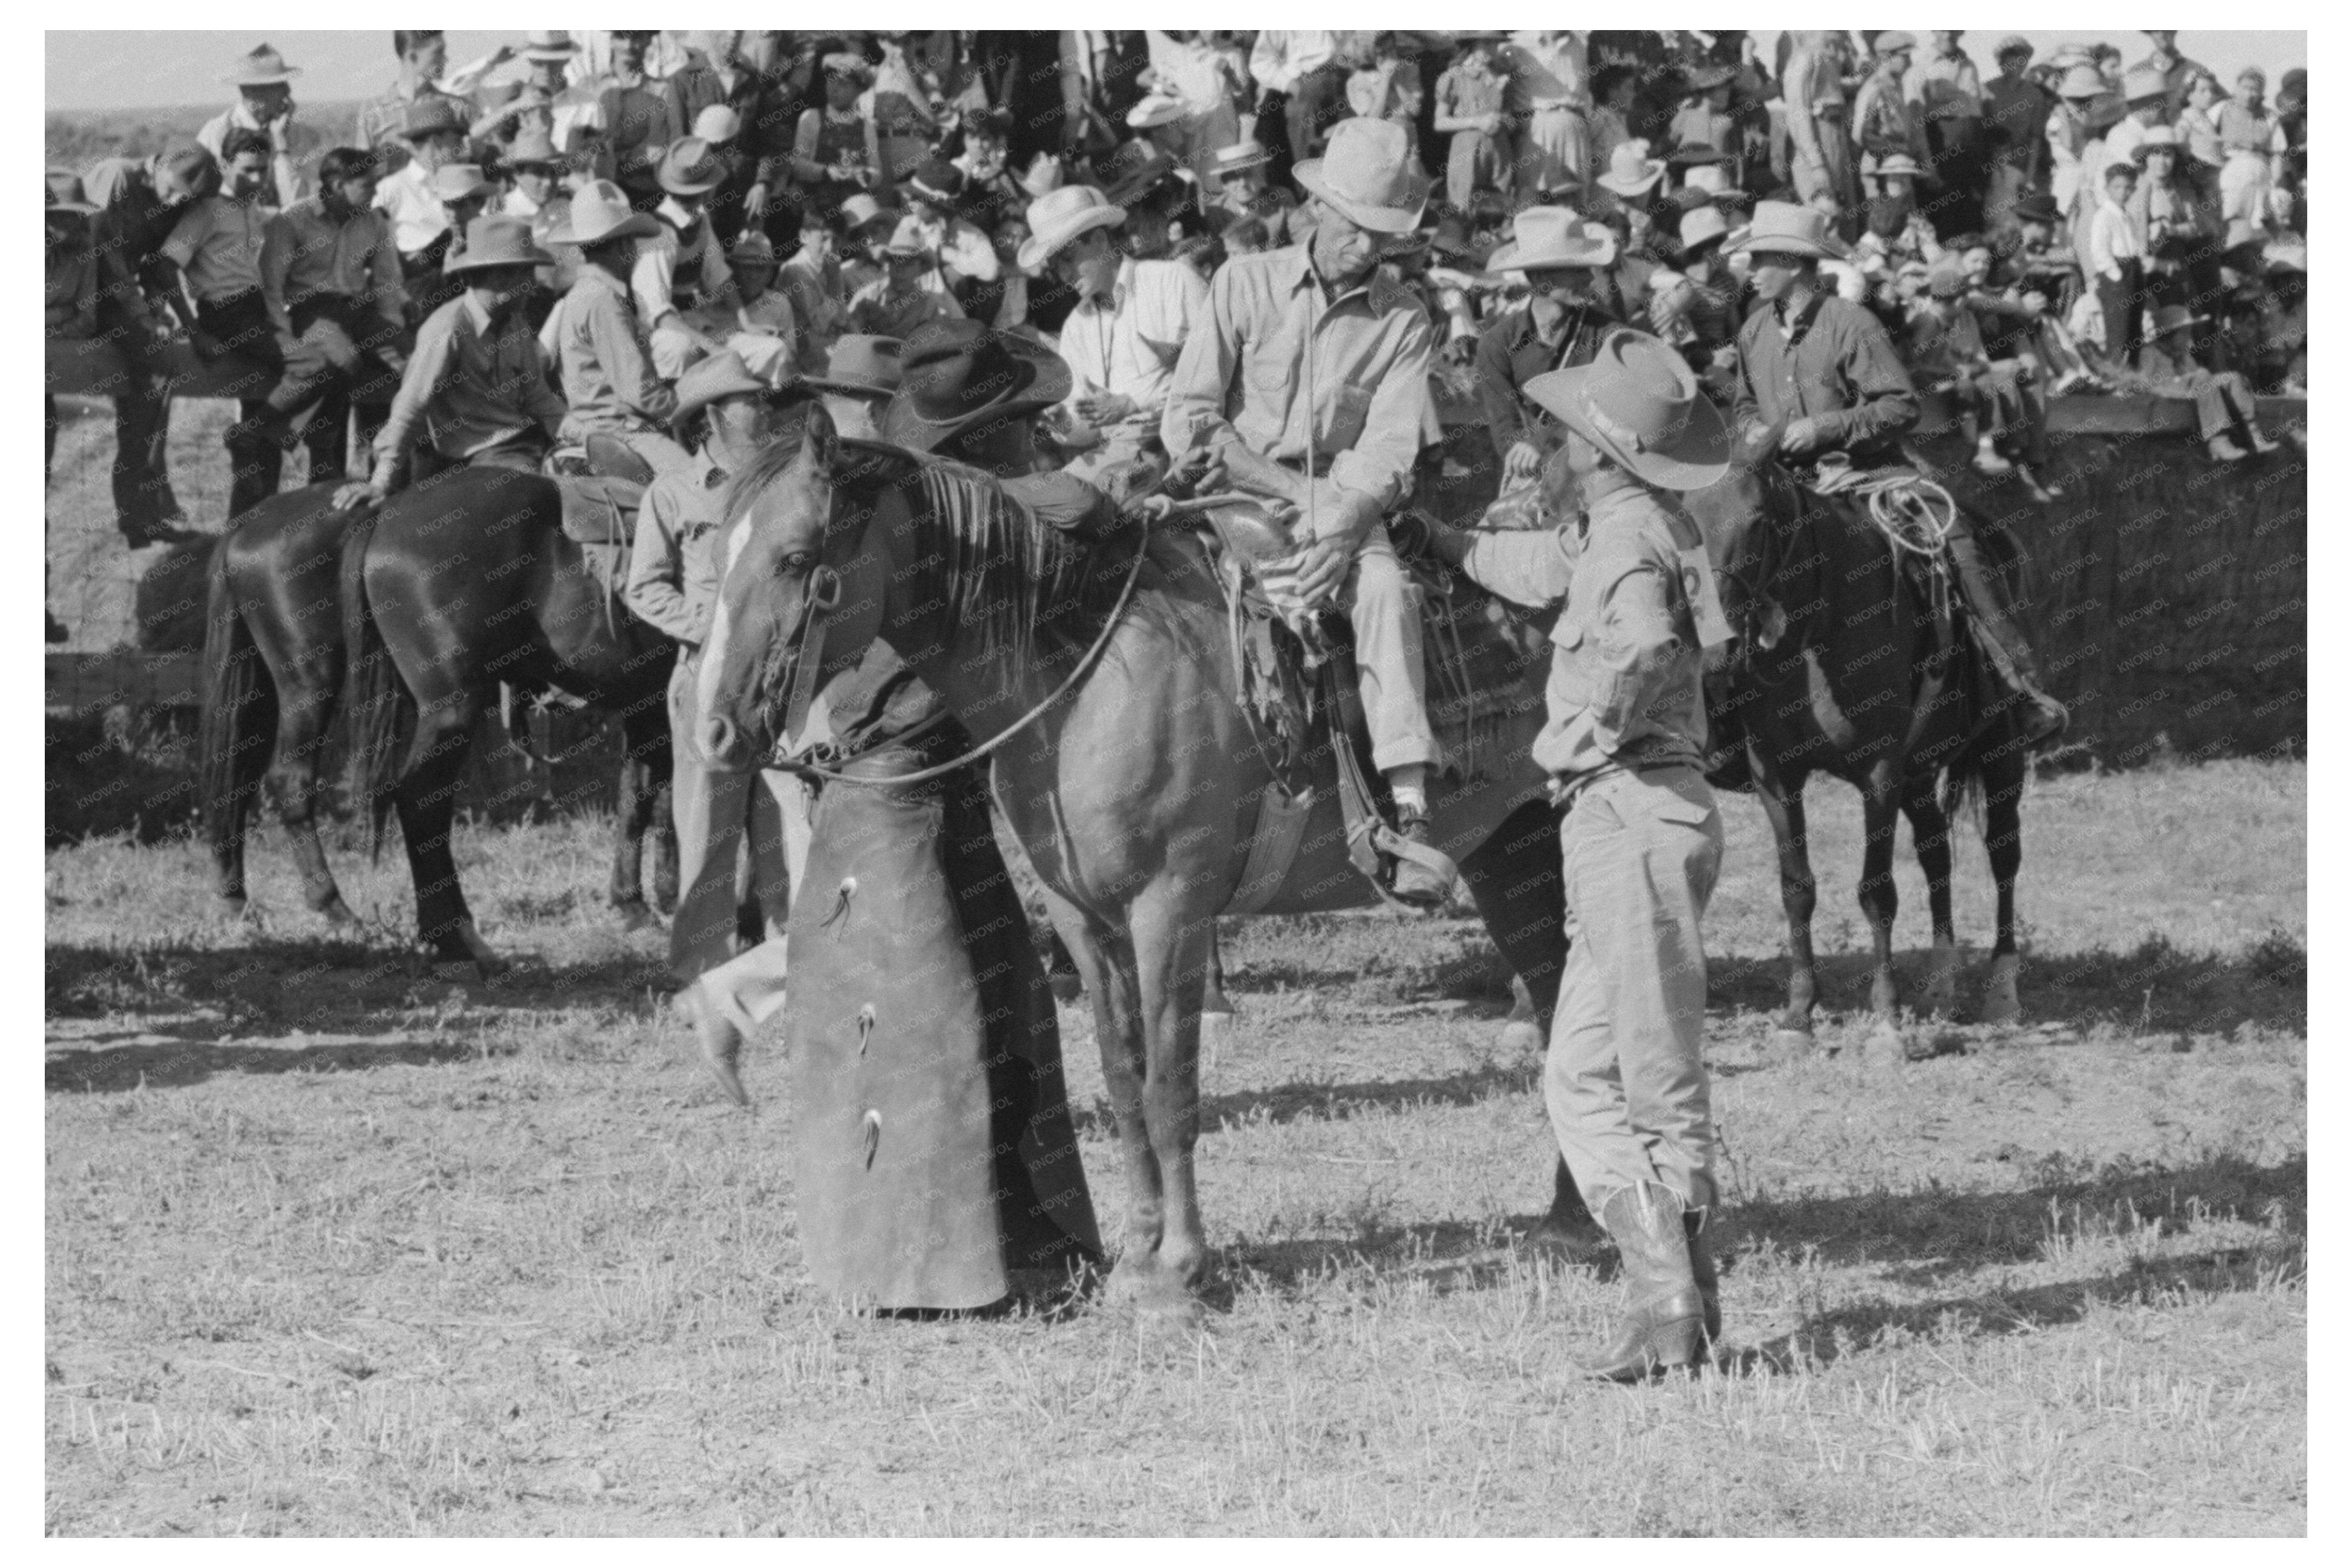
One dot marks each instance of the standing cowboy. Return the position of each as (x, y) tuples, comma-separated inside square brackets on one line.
[(475, 392), (1626, 1079), (265, 104), (1561, 325), (598, 341), (1308, 383), (1825, 373)]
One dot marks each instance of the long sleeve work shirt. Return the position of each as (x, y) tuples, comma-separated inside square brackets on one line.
[(1131, 344), (1831, 362), (674, 560), (471, 384), (306, 251), (1511, 354), (608, 366)]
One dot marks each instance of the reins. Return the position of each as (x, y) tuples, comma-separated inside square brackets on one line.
[(813, 644)]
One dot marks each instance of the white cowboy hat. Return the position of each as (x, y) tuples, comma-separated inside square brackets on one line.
[(1365, 171), (1638, 402), (1240, 156), (600, 211), (459, 182), (718, 124), (1787, 229), (1632, 171), (260, 66), (1701, 225), (1057, 217), (546, 45), (1553, 236)]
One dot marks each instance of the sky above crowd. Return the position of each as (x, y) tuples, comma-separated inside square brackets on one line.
[(86, 71)]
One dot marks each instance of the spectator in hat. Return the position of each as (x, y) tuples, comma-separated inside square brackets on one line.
[(1572, 304), (1886, 122), (409, 196), (2146, 106), (682, 264), (2184, 230), (140, 307), (1473, 115), (932, 193), (857, 380), (2016, 111), (2070, 136), (1632, 181), (596, 336), (811, 279), (1705, 121), (1122, 338), (749, 317), (1240, 172), (991, 192), (1946, 352), (2176, 68), (264, 105), (736, 71), (899, 304), (836, 151), (331, 278), (1693, 306), (1551, 95), (640, 121), (382, 126), (1895, 232), (867, 226), (475, 392), (462, 192), (2168, 366)]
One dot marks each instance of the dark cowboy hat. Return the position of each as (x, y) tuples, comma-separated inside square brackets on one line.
[(2038, 207), (1691, 154), (960, 374), (936, 181), (1134, 170)]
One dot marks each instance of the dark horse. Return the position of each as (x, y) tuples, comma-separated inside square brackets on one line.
[(1839, 669), (1135, 792), (452, 586)]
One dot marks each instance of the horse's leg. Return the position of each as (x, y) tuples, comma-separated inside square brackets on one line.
[(1216, 1008), (1931, 838), (2004, 780), (305, 704), (1881, 800), (1783, 799), (664, 824), (1106, 959), (632, 818), (1172, 943), (426, 798)]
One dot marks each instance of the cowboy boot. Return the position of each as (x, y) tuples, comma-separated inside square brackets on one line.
[(2002, 638), (1664, 1324), (1417, 884)]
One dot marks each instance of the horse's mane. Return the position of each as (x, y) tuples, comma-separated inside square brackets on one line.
[(1006, 573)]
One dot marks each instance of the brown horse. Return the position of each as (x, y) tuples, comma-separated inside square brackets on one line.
[(273, 675), (451, 587), (1837, 670), (1134, 792)]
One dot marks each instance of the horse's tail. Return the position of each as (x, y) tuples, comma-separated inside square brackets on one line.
[(376, 699), (240, 711)]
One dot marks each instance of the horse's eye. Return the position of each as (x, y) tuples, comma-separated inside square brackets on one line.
[(795, 563)]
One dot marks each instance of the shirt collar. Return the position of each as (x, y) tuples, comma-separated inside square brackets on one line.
[(476, 313), (678, 215)]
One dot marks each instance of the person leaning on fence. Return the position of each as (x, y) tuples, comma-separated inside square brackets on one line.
[(2168, 366), (474, 393), (1625, 1077), (598, 341), (140, 202), (331, 277)]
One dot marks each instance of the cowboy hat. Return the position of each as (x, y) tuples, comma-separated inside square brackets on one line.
[(859, 210), (1044, 175), (497, 241), (2036, 207), (260, 66), (1133, 170), (752, 249), (2143, 84), (1552, 237), (600, 211), (1715, 183), (1060, 216), (432, 115), (459, 183), (936, 181), (2284, 256), (1895, 43), (64, 194), (546, 45), (1240, 157), (862, 366), (718, 124), (1899, 164), (1366, 173), (2157, 138), (707, 381), (1702, 227), (908, 239), (1632, 171), (959, 374), (1947, 279), (1155, 108), (842, 63), (2083, 82), (1695, 155), (689, 167), (1638, 402), (1785, 228), (531, 146)]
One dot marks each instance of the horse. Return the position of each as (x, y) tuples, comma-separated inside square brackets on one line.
[(1836, 669), (459, 582), (1121, 761)]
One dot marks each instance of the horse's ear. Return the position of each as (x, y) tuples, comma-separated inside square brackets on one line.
[(820, 438)]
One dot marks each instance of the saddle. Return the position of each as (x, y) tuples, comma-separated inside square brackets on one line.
[(603, 482)]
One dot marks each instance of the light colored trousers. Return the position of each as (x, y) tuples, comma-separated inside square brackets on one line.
[(1625, 1081), (1384, 604)]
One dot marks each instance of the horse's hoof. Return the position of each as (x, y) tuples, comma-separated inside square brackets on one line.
[(1938, 995), (1790, 1044), (1521, 1038), (2001, 992), (1884, 1049)]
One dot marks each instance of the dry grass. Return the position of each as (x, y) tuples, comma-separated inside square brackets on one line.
[(340, 1243)]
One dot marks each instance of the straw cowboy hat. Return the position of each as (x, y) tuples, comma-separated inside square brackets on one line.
[(459, 183), (432, 115), (863, 367), (497, 241), (1638, 402), (260, 66), (689, 167), (2157, 138), (1897, 43), (1240, 157), (2083, 82), (1784, 229), (959, 374), (1044, 175), (599, 212), (1632, 171), (547, 46), (64, 194), (1060, 216), (1365, 171), (709, 380), (861, 211), (532, 145), (2143, 84), (1702, 227), (718, 124), (1553, 236), (1714, 181)]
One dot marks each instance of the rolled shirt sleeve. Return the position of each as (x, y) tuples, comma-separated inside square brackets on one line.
[(1638, 649), (655, 590), (1381, 459), (1530, 567)]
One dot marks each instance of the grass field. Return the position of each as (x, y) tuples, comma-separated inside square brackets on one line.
[(340, 1243)]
